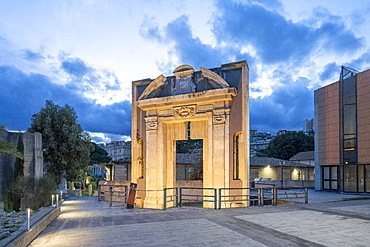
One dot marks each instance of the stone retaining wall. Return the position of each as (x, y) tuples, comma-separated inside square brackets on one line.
[(39, 221)]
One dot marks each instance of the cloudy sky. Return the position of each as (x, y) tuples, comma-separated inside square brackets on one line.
[(87, 53)]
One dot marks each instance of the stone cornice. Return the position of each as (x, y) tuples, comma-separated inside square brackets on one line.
[(206, 97)]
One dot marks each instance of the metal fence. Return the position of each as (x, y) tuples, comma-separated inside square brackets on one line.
[(292, 194), (189, 194), (114, 193), (220, 198)]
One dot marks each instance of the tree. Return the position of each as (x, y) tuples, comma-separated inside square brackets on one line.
[(99, 155), (66, 146), (285, 146)]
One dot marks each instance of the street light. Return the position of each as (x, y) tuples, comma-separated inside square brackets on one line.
[(282, 163)]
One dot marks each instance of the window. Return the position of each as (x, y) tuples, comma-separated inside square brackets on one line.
[(349, 123), (236, 151), (330, 177)]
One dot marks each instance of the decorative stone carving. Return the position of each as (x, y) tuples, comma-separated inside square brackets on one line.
[(151, 123), (185, 111), (219, 119), (140, 156)]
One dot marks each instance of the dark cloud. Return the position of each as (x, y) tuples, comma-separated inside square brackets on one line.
[(190, 49), (285, 108), (24, 95), (75, 67), (330, 70), (288, 105), (277, 39)]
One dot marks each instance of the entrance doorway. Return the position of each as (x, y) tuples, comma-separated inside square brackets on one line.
[(189, 160)]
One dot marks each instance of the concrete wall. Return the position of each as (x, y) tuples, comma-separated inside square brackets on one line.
[(33, 158)]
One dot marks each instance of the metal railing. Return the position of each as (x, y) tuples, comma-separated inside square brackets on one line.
[(176, 197), (170, 195), (113, 192), (292, 193), (189, 197)]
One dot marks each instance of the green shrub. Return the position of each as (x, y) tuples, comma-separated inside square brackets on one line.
[(35, 193)]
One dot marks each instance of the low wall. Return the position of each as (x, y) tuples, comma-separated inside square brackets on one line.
[(39, 221)]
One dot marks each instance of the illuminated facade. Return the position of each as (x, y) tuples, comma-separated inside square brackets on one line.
[(342, 137), (210, 105)]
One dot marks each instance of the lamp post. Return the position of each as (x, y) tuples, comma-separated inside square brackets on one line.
[(282, 163)]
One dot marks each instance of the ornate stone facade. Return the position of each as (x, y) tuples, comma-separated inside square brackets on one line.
[(210, 104)]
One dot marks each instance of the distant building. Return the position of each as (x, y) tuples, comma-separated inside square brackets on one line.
[(120, 166), (118, 150), (96, 171), (186, 165), (258, 141), (307, 157), (308, 126), (280, 171), (282, 132), (342, 133)]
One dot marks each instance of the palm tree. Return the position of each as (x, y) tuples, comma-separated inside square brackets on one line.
[(9, 148)]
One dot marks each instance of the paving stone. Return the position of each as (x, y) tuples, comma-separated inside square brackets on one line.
[(86, 222)]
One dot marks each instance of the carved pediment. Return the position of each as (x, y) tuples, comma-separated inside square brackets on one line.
[(213, 78), (156, 83)]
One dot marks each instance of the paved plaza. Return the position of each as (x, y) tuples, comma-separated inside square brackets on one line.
[(329, 219)]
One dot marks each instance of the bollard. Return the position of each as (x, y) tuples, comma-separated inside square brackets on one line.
[(52, 200), (61, 195), (57, 200), (90, 189), (111, 195), (274, 197), (259, 196), (99, 191), (28, 219)]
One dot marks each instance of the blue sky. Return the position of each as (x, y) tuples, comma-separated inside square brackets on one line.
[(87, 53)]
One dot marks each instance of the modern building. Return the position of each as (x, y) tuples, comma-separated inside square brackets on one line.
[(342, 133), (308, 126)]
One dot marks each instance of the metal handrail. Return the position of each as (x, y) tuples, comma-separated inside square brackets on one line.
[(202, 196), (172, 198)]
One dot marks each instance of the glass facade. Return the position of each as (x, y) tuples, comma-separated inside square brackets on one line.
[(353, 175), (349, 175)]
